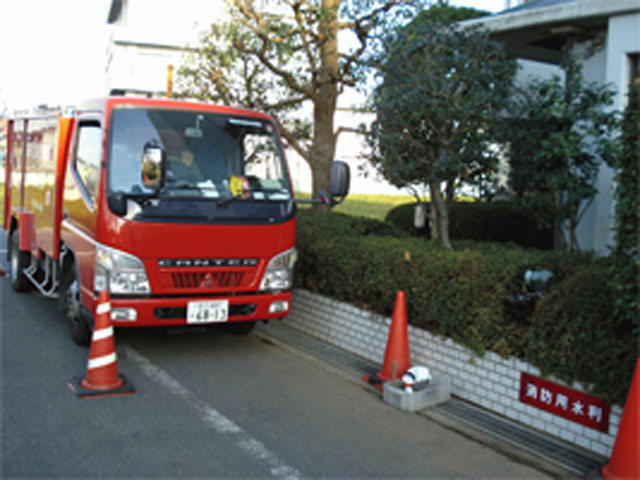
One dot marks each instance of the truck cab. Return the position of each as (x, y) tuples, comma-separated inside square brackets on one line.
[(184, 212)]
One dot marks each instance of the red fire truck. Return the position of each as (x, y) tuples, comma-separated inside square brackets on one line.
[(183, 211)]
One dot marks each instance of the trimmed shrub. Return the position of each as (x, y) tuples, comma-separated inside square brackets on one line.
[(573, 334), (316, 225), (483, 222), (457, 293), (467, 294)]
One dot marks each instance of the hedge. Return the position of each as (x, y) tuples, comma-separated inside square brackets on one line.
[(483, 222), (574, 334), (470, 294)]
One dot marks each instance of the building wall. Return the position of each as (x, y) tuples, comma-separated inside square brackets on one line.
[(141, 68), (609, 66), (149, 36), (593, 232), (623, 40)]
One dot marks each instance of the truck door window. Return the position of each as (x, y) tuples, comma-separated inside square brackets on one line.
[(87, 157)]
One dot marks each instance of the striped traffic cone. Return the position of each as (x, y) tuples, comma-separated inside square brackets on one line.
[(102, 378), (396, 356), (397, 350)]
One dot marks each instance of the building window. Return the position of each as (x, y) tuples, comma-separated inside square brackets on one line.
[(634, 67)]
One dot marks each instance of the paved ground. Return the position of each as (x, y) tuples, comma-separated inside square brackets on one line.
[(211, 405)]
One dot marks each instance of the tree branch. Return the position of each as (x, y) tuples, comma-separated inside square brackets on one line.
[(292, 141), (290, 102), (296, 7), (350, 130), (245, 18)]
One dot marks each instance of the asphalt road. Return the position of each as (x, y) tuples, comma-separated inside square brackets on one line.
[(207, 405)]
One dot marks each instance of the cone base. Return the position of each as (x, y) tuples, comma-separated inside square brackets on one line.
[(629, 470), (384, 377), (372, 379), (75, 384), (608, 475), (87, 385)]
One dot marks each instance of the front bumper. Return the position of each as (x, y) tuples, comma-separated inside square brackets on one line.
[(165, 311)]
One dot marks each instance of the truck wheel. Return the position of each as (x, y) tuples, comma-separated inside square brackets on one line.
[(240, 328), (19, 261), (80, 331)]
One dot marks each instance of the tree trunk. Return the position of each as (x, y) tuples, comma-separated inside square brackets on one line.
[(322, 151), (442, 212), (434, 221), (558, 234), (323, 145), (574, 246), (450, 188)]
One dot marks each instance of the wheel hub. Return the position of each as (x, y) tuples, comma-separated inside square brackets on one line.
[(73, 301)]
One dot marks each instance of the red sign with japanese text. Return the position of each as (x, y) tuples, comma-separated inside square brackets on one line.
[(574, 405)]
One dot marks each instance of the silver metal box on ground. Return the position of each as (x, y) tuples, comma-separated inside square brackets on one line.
[(438, 391)]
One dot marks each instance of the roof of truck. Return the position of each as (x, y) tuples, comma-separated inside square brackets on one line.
[(102, 105), (107, 103)]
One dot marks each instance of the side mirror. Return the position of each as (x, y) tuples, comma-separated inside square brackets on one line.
[(153, 166), (340, 180)]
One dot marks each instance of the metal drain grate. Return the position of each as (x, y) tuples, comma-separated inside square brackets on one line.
[(550, 449), (343, 360)]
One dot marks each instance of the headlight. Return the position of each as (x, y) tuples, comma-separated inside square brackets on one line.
[(279, 272), (119, 272)]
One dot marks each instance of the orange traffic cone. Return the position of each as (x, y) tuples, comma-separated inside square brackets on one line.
[(625, 456), (397, 350), (102, 379)]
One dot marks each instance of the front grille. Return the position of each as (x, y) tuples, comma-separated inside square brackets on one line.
[(175, 313), (207, 279)]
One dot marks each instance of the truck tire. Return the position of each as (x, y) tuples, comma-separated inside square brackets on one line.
[(18, 261), (78, 326), (240, 328)]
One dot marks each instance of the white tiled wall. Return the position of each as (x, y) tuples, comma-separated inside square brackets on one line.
[(490, 381)]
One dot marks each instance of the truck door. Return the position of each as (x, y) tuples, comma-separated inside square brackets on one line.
[(80, 204)]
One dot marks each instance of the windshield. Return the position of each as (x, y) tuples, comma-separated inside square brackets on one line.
[(207, 155)]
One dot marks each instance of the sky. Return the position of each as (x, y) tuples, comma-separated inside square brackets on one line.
[(53, 51)]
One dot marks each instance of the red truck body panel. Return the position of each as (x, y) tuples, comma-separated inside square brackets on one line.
[(50, 204), (6, 130)]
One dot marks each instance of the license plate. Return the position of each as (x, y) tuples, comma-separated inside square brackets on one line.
[(209, 311)]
